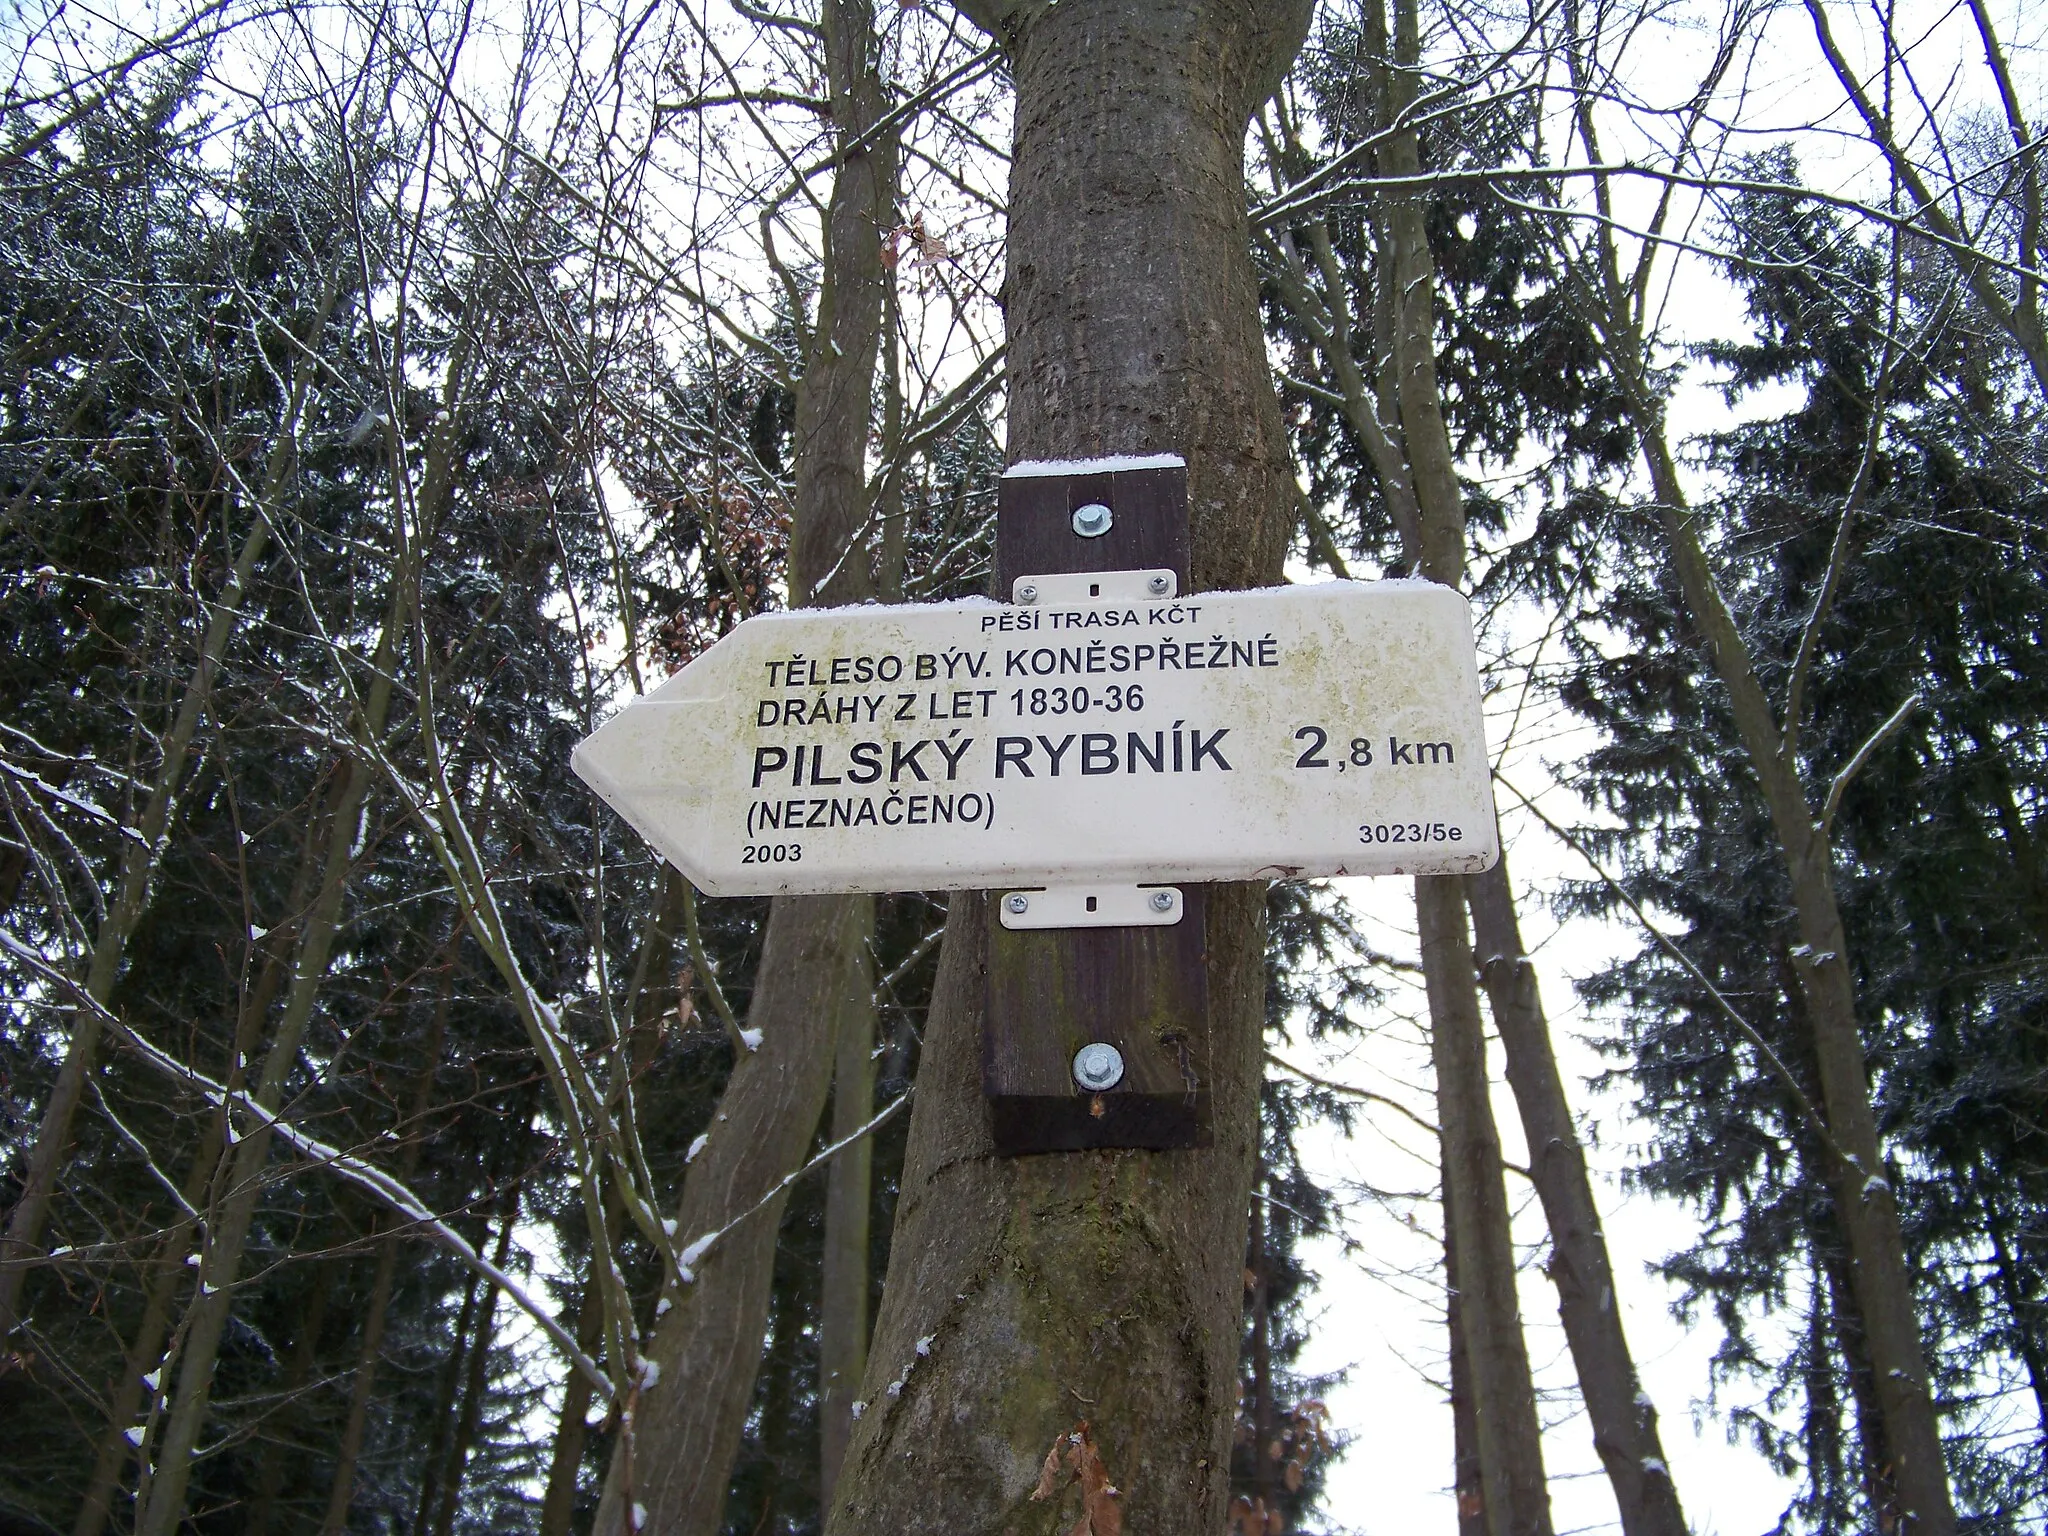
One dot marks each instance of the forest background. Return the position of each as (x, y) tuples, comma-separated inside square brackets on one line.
[(392, 390)]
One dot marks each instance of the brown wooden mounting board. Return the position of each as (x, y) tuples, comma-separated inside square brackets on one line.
[(1035, 529), (1143, 990)]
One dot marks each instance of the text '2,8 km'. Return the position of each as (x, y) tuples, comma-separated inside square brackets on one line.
[(1316, 730)]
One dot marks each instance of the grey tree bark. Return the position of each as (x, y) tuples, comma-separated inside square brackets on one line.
[(652, 993), (674, 1458), (1505, 1427), (145, 1358), (311, 1322), (476, 1379), (572, 1429), (1514, 1497), (1856, 1167), (1395, 412), (447, 1386), (675, 1452), (1466, 1486), (1623, 1417), (849, 1197), (1027, 1293), (243, 1179)]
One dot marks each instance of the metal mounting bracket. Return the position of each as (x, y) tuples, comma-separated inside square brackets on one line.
[(1093, 906), (1058, 587)]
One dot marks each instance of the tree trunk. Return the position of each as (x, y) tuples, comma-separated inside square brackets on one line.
[(132, 890), (442, 1422), (1026, 1293), (133, 886), (1505, 1428), (675, 1453), (476, 1384), (228, 1231), (305, 1351), (849, 1197), (1466, 1485), (2015, 1288), (1506, 1432), (1265, 1485), (653, 992), (1624, 1419), (1876, 1461), (1857, 1172), (347, 805), (830, 559), (341, 1489), (572, 1429), (146, 1350)]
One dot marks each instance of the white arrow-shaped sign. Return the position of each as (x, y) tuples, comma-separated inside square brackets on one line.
[(1315, 730)]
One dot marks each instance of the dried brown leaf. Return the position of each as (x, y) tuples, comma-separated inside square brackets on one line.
[(1101, 1514), (1049, 1474)]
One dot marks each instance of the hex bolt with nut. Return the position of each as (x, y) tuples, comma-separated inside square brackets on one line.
[(1093, 520), (1098, 1067)]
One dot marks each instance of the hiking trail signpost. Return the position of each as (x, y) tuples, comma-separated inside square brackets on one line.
[(1080, 750)]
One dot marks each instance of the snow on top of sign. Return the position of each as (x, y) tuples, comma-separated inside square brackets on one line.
[(874, 608), (1115, 463)]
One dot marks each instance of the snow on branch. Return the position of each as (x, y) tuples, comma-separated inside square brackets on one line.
[(698, 1247), (372, 1180)]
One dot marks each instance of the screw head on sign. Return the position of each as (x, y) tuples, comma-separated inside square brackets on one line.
[(1162, 901), (1092, 521), (1157, 586), (1098, 1067), (1027, 593), (1017, 903)]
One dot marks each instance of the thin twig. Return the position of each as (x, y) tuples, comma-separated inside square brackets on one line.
[(698, 1247), (1350, 1091), (702, 961), (1863, 755), (1783, 1073)]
